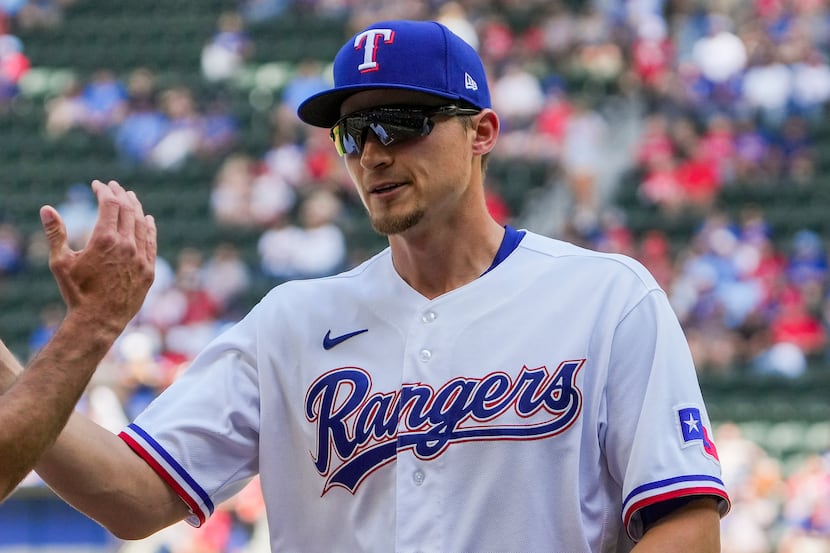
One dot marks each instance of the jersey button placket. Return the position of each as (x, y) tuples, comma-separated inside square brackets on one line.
[(419, 493), (427, 317), (418, 477)]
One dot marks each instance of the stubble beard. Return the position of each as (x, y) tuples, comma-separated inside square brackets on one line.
[(396, 224)]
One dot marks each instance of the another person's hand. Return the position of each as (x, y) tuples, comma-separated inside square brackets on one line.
[(106, 282), (9, 367)]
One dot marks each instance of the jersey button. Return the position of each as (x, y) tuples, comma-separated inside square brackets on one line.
[(429, 316), (425, 355), (418, 477)]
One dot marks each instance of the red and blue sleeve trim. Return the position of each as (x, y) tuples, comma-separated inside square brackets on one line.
[(673, 488), (171, 472)]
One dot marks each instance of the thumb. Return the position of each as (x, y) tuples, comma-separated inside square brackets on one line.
[(54, 229)]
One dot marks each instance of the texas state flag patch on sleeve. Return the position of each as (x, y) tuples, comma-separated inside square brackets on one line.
[(694, 432)]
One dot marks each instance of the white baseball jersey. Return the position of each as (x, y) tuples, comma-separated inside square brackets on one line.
[(537, 408)]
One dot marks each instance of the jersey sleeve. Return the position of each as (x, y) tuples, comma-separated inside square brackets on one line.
[(658, 438), (201, 434)]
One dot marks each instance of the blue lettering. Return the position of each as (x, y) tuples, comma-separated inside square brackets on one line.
[(362, 429)]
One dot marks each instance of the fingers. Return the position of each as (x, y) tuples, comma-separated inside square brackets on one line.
[(145, 231), (107, 279), (139, 223), (118, 211), (126, 213), (121, 219), (108, 206), (152, 239), (115, 208), (121, 212), (54, 229), (9, 367), (60, 254)]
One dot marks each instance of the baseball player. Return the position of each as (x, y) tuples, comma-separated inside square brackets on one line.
[(103, 286), (471, 388)]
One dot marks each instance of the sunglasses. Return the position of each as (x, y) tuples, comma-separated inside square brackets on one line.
[(391, 125)]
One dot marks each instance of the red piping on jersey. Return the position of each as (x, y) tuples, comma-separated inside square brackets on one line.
[(156, 466), (685, 492)]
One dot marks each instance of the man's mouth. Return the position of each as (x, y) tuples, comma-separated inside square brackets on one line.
[(380, 189)]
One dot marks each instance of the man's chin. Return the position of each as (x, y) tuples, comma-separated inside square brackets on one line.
[(388, 226)]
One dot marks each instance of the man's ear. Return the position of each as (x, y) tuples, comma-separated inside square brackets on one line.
[(486, 127)]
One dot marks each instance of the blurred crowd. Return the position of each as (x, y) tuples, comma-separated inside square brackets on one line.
[(727, 93), (24, 15), (773, 510)]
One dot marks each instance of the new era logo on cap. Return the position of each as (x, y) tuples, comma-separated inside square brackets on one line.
[(422, 56), (469, 82)]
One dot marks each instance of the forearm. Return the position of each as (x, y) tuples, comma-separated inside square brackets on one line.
[(694, 528), (103, 286), (38, 403), (97, 473), (88, 466)]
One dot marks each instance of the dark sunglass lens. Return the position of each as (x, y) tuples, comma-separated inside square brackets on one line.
[(389, 125), (386, 133), (344, 142)]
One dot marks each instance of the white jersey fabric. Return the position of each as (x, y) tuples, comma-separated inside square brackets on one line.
[(537, 408)]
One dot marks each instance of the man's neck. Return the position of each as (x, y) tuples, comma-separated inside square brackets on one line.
[(436, 261)]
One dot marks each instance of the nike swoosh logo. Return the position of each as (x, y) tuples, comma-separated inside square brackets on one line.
[(329, 342)]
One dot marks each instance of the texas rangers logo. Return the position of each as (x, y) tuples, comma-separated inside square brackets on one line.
[(360, 430), (369, 41), (693, 431)]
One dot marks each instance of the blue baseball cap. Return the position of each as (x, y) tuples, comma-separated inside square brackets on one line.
[(424, 56)]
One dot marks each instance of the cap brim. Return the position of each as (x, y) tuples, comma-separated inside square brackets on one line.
[(323, 108)]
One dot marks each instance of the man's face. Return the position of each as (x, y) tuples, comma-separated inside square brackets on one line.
[(419, 180)]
